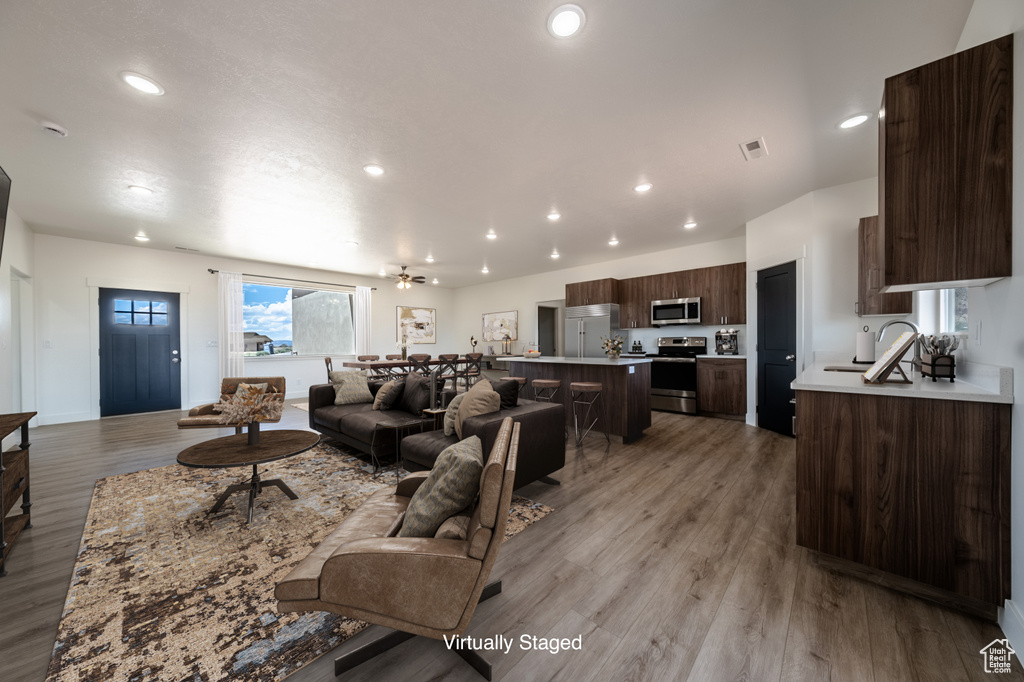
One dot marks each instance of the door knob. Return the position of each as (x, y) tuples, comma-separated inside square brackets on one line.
[(175, 359), (791, 358)]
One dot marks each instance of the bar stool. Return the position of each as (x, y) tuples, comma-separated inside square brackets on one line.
[(544, 390), (587, 393), (521, 380)]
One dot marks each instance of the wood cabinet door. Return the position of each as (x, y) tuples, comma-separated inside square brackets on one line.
[(722, 386), (732, 293), (575, 294), (594, 292), (870, 300)]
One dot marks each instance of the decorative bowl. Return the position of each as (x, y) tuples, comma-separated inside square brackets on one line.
[(531, 354)]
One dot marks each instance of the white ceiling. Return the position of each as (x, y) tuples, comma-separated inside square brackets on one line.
[(481, 119)]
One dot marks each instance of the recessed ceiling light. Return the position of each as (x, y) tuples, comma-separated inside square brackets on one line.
[(141, 83), (430, 259), (491, 235), (613, 242), (140, 190), (854, 121), (435, 281), (554, 254), (374, 169), (554, 215), (566, 20), (382, 273), (142, 238), (690, 225), (645, 187), (485, 270)]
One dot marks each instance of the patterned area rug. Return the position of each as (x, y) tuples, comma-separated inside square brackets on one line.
[(302, 406), (164, 591)]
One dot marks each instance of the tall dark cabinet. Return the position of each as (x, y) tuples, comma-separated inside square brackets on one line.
[(945, 136)]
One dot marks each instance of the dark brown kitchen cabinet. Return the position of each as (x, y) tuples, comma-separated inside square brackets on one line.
[(870, 299), (592, 293), (722, 387), (911, 492), (945, 137), (723, 292), (635, 296)]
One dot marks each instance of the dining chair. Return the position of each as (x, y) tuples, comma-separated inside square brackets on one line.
[(420, 363), (380, 372), (447, 370), (472, 373), (330, 368)]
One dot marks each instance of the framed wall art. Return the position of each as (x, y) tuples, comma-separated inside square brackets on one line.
[(417, 325), (499, 325)]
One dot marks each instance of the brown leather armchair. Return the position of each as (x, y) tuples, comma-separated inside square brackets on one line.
[(204, 415), (417, 586)]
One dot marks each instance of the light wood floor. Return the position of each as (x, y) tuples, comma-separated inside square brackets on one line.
[(674, 558)]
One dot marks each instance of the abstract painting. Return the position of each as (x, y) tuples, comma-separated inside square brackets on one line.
[(417, 324), (498, 325)]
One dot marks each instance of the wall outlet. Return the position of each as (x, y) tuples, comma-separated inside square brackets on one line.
[(47, 343), (211, 344), (298, 382)]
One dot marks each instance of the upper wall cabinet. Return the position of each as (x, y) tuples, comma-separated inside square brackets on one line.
[(945, 136), (870, 299), (592, 293)]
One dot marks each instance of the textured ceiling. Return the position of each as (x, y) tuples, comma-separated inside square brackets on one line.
[(481, 119)]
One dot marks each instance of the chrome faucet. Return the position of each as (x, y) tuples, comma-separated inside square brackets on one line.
[(916, 362)]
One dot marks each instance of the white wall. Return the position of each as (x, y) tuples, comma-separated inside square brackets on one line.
[(523, 293), (68, 273), (996, 324), (16, 259)]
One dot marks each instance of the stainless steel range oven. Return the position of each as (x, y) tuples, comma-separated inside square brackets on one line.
[(674, 373)]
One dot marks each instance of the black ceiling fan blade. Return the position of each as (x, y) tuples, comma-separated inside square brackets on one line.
[(419, 279)]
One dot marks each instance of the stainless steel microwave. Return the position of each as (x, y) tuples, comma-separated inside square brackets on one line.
[(675, 311)]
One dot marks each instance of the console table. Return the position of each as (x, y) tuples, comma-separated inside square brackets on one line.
[(13, 484)]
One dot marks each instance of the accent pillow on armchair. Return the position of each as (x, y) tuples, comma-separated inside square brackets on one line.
[(450, 487)]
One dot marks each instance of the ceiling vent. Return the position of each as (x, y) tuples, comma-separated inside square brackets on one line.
[(54, 129), (184, 248), (754, 149)]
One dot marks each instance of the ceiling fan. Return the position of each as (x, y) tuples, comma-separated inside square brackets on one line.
[(405, 280)]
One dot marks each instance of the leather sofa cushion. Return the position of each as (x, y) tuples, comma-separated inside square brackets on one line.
[(361, 425), (481, 399), (450, 487), (331, 415), (423, 448), (373, 518), (508, 389)]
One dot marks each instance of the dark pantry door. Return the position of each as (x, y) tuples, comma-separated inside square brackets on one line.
[(140, 358), (776, 347)]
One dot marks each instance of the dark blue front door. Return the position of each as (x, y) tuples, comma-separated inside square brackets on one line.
[(140, 352), (776, 347)]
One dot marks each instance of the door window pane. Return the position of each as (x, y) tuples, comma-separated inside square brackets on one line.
[(159, 306), (122, 306), (141, 318), (159, 320), (142, 306), (122, 318)]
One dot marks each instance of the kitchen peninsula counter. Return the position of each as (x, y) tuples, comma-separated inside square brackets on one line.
[(626, 389)]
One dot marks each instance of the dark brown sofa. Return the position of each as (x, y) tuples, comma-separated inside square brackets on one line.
[(542, 450)]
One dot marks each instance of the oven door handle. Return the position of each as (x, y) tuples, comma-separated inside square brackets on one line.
[(686, 360)]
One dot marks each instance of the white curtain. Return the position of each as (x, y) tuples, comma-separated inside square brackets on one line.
[(363, 320), (230, 334)]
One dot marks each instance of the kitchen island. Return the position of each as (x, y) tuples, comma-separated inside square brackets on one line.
[(626, 389), (908, 485)]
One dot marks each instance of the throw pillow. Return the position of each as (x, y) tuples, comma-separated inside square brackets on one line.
[(246, 390), (454, 528), (451, 412), (450, 487), (338, 376), (481, 399), (417, 394), (381, 392), (393, 397), (509, 392), (353, 389)]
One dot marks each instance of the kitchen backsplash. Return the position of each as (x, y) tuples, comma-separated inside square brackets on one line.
[(649, 337)]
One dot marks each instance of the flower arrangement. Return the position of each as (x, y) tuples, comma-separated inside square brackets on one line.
[(612, 345), (248, 406)]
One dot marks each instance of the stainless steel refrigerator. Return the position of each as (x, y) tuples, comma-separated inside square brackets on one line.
[(584, 327)]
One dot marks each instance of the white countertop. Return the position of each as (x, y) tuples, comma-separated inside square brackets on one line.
[(975, 382), (558, 360)]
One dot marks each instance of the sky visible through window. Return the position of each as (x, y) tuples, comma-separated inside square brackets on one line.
[(268, 310)]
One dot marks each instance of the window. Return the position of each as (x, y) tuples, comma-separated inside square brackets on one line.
[(140, 313), (285, 321), (953, 310)]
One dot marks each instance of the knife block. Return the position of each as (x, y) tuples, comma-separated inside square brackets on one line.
[(938, 367)]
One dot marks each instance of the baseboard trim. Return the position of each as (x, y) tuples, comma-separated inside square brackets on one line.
[(66, 418), (1011, 620)]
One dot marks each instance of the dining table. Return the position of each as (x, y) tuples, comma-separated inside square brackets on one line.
[(398, 368)]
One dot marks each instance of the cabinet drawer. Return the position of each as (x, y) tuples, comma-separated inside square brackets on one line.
[(15, 478)]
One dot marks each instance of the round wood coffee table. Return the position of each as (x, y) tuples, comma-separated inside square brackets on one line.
[(234, 451)]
